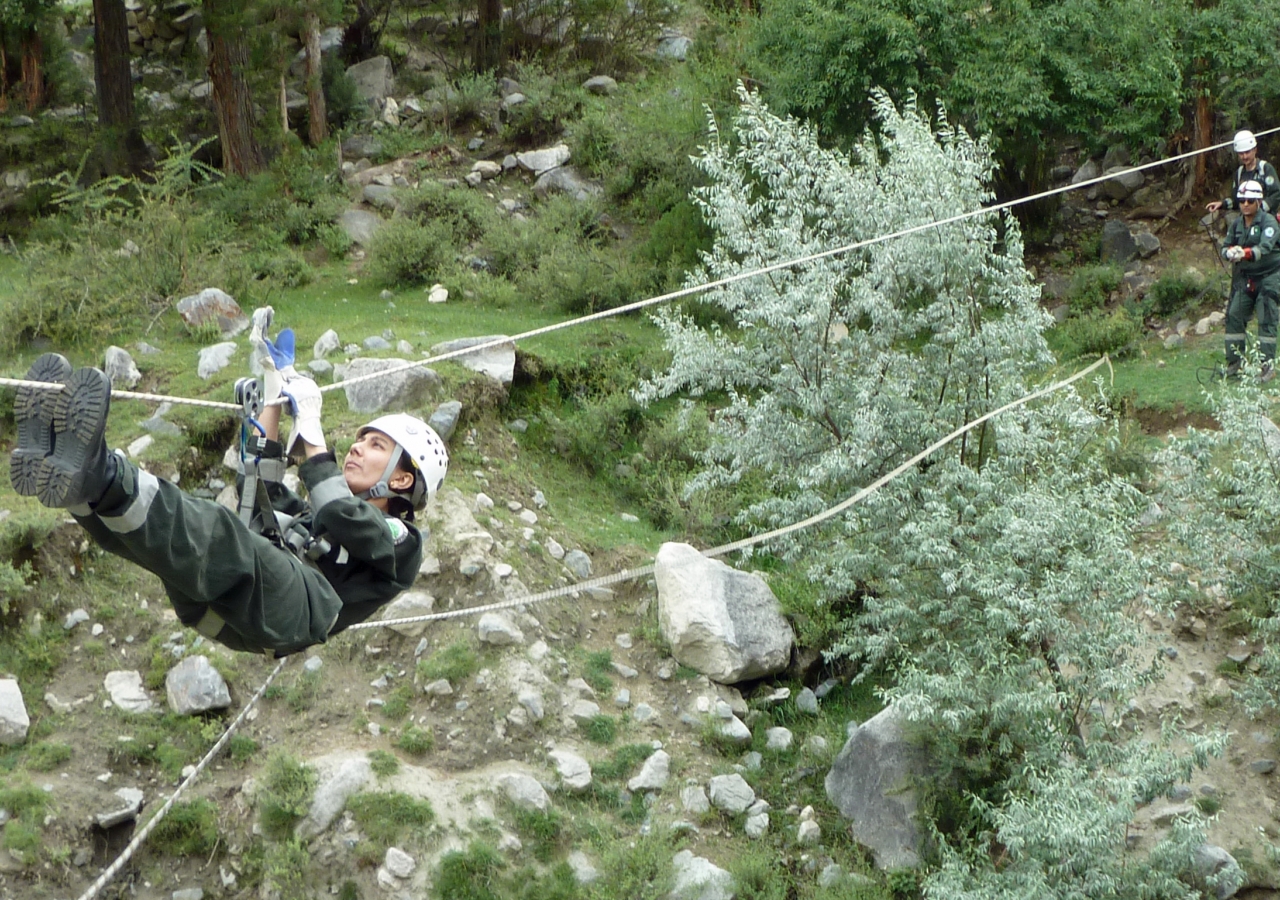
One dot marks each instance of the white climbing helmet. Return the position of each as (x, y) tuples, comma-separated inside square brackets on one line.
[(421, 446), (1249, 190), (1244, 142)]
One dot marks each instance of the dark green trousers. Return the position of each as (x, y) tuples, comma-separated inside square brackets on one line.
[(1241, 310), (230, 584)]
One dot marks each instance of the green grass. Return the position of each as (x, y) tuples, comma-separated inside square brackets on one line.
[(598, 671), (416, 740), (600, 729), (455, 663), (46, 756), (622, 763), (387, 818), (1141, 382), (189, 829), (383, 764), (287, 787)]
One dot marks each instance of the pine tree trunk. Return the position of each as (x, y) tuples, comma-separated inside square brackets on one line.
[(1203, 137), (33, 69), (488, 35), (111, 63), (318, 127), (228, 60)]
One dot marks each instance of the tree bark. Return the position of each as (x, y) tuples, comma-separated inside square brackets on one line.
[(228, 60), (318, 125), (1203, 137), (33, 68), (488, 35), (123, 148)]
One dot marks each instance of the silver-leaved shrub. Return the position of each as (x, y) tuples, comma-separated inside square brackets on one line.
[(994, 589)]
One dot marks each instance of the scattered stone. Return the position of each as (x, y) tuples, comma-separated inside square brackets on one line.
[(406, 606), (583, 871), (756, 826), (622, 699), (1211, 861), (381, 196), (653, 774), (313, 664), (565, 180), (138, 447), (214, 359), (778, 739), (623, 640), (1262, 766), (146, 349), (583, 711), (407, 389), (332, 794), (623, 670), (1173, 341), (808, 833), (195, 686), (696, 878), (674, 47), (325, 344), (1148, 244), (127, 803), (600, 85), (444, 421), (532, 701), (487, 169), (74, 618), (216, 306), (1121, 183), (376, 342), (497, 630), (120, 368), (438, 688), (578, 563), (126, 691), (724, 623), (643, 713), (524, 791), (1117, 245), (731, 793), (574, 771), (815, 745), (497, 361), (14, 720), (734, 730), (399, 863), (361, 146), (554, 549), (437, 293), (807, 702)]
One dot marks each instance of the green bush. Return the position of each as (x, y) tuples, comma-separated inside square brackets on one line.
[(416, 740), (473, 874), (405, 252), (551, 100), (383, 764), (46, 756), (189, 829), (1095, 333), (286, 794), (1091, 287), (465, 212), (600, 729), (1175, 289), (454, 663), (342, 100), (386, 818)]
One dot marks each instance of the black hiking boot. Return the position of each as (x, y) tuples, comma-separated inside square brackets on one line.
[(77, 473), (33, 410)]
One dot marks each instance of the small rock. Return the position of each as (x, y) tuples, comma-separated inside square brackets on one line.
[(1262, 766), (74, 618), (600, 85), (807, 702), (578, 563), (778, 739), (808, 833), (653, 774), (399, 863), (731, 793)]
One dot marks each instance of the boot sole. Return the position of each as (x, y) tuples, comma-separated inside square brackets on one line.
[(33, 411), (79, 420)]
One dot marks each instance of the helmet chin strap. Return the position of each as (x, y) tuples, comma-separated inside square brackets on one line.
[(383, 487)]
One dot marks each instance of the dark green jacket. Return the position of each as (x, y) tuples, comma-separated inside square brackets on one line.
[(1260, 240), (1265, 174)]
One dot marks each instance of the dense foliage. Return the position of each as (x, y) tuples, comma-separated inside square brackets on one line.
[(996, 585)]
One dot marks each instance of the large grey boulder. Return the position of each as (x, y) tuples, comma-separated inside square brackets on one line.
[(498, 361), (409, 389), (674, 47), (121, 369), (871, 782), (336, 787), (360, 225), (373, 79), (382, 196), (1087, 172), (14, 720), (721, 622), (524, 791), (1118, 245), (213, 305), (544, 160), (565, 180), (1216, 871), (194, 686), (1122, 182)]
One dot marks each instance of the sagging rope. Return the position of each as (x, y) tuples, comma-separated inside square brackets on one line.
[(603, 581), (662, 298), (112, 870), (724, 549)]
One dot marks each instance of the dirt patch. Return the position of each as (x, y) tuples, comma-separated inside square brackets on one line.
[(1159, 422)]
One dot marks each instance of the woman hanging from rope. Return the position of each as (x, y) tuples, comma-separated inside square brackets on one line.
[(326, 563)]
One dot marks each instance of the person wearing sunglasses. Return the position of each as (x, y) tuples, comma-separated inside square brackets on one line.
[(1250, 245), (1251, 169)]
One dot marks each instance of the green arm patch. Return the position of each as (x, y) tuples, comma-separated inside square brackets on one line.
[(399, 531)]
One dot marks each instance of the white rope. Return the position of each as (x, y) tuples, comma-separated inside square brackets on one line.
[(112, 870), (723, 549)]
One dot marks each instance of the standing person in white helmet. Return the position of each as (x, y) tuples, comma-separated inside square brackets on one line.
[(1251, 245), (1251, 169), (355, 545)]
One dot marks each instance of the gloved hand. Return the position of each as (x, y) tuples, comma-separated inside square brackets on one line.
[(1233, 254), (272, 360), (305, 401)]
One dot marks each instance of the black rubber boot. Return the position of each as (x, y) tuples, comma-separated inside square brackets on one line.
[(77, 473), (33, 410)]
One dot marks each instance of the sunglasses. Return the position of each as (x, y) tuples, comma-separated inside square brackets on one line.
[(1248, 199)]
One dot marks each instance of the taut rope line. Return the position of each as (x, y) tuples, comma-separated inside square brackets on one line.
[(668, 297)]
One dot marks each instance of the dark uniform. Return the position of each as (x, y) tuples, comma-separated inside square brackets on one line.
[(239, 588), (1255, 283), (1265, 174)]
